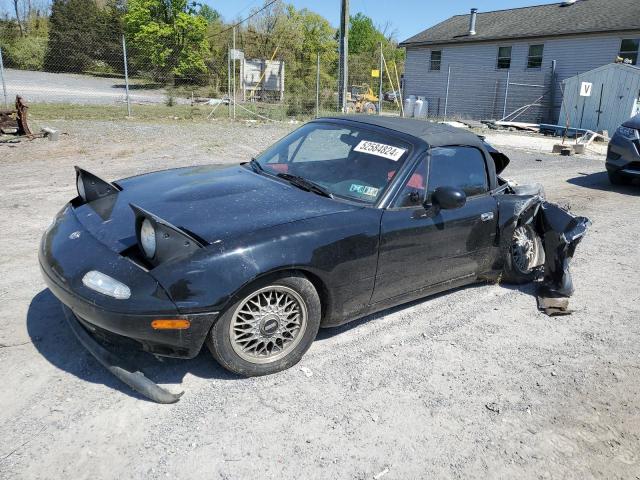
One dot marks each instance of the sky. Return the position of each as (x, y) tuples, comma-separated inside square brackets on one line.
[(407, 17)]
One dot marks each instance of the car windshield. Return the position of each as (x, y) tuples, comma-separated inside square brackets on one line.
[(347, 161)]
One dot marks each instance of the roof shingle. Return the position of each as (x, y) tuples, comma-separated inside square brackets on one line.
[(584, 16)]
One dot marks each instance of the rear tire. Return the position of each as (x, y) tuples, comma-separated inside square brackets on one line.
[(269, 328), (525, 250), (617, 179)]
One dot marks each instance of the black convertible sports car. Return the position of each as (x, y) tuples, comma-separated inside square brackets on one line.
[(343, 217)]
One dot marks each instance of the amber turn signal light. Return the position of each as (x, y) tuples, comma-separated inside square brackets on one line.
[(174, 324)]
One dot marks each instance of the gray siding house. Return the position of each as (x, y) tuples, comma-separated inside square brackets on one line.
[(491, 64)]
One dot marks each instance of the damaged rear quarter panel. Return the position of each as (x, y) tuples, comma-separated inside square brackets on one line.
[(560, 231)]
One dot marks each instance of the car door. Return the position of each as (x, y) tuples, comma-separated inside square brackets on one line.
[(420, 248)]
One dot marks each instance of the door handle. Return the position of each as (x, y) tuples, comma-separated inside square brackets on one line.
[(485, 217)]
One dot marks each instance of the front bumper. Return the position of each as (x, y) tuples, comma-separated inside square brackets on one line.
[(623, 156), (68, 251)]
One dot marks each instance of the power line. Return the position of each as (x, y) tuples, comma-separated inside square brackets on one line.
[(244, 19)]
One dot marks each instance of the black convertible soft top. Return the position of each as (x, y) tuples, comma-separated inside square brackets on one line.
[(435, 134)]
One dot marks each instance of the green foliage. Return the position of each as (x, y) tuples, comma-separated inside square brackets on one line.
[(209, 14), (81, 33), (364, 37), (167, 38), (365, 41), (25, 53)]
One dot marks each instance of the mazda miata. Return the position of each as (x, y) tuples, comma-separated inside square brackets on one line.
[(342, 217)]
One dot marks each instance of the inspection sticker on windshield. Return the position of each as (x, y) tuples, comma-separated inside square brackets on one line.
[(380, 149), (364, 190)]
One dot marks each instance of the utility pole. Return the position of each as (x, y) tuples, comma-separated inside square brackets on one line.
[(381, 77), (318, 86), (234, 73), (343, 76)]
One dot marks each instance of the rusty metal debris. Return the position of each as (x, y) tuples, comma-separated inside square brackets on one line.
[(14, 122)]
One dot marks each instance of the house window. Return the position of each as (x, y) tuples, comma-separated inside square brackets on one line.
[(436, 59), (504, 57), (629, 50), (534, 60)]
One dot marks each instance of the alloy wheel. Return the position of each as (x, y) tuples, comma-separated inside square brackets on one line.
[(268, 324), (524, 249)]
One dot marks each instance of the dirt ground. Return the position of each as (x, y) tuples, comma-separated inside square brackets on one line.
[(475, 383)]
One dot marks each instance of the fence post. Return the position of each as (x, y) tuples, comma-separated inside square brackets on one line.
[(552, 94), (318, 86), (381, 78), (126, 75), (234, 73), (229, 77), (506, 95), (446, 98), (4, 85)]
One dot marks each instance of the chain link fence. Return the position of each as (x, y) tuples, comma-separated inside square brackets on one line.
[(475, 92), (234, 85), (238, 83)]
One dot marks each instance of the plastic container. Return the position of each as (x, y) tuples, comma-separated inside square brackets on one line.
[(421, 108), (409, 105)]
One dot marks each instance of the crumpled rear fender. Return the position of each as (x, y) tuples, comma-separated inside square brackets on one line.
[(560, 231)]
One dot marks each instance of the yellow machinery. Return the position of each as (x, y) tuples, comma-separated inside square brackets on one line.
[(361, 99)]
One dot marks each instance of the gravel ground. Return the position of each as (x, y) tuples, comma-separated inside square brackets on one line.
[(71, 88), (471, 384)]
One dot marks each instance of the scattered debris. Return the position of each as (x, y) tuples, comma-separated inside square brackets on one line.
[(529, 127), (554, 306), (562, 149), (381, 474), (306, 371), (455, 124), (51, 134), (14, 122), (493, 407)]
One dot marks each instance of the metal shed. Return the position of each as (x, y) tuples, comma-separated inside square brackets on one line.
[(601, 99)]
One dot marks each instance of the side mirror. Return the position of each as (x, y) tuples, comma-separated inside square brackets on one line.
[(449, 198)]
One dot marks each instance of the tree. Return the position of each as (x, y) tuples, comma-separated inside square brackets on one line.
[(84, 37), (365, 40), (209, 14), (364, 37), (167, 37)]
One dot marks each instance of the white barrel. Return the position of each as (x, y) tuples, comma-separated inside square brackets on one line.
[(417, 108), (421, 108), (409, 104)]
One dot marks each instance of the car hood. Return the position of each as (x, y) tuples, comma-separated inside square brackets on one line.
[(209, 202)]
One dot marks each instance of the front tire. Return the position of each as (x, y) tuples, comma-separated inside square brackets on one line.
[(524, 254), (269, 328)]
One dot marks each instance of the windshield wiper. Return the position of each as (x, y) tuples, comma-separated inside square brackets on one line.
[(305, 184), (255, 165)]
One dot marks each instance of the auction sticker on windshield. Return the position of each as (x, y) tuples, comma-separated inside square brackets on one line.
[(380, 149)]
